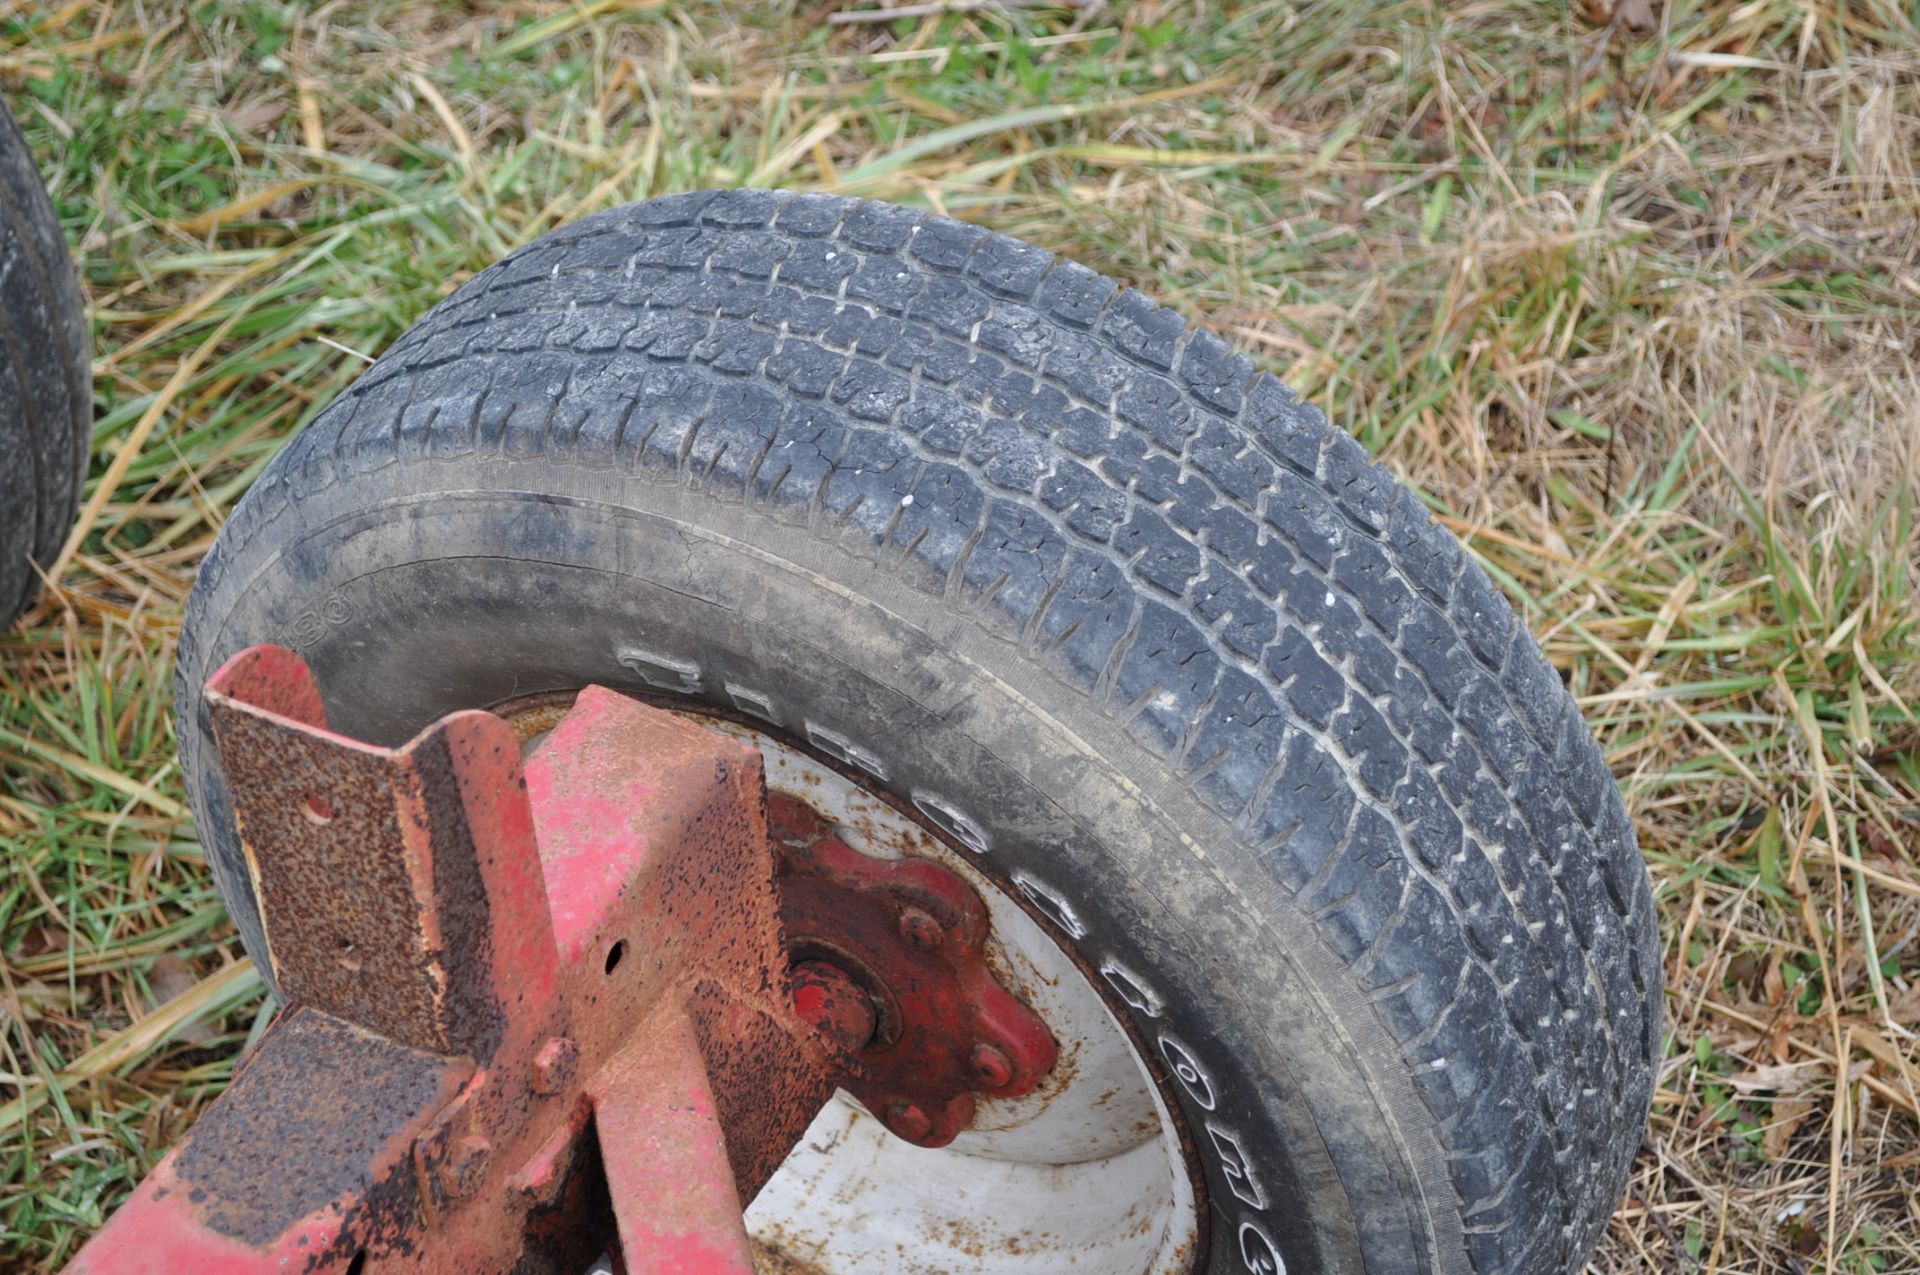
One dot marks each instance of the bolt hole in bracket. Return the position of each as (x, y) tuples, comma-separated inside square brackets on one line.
[(458, 1084)]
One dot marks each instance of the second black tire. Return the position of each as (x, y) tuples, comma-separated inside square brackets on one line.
[(46, 403), (1265, 748)]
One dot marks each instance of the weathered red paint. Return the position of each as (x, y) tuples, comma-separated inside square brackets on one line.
[(915, 933), (544, 1010), (826, 996), (667, 1166)]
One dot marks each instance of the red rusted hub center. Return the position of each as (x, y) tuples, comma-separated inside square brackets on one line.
[(913, 934)]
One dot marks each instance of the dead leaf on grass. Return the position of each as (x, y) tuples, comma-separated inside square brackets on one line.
[(1635, 15), (36, 1000), (1774, 983), (170, 976), (1783, 1077), (1872, 1042), (1904, 1007), (1788, 1115), (256, 116), (44, 940)]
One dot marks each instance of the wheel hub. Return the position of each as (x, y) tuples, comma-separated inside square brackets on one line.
[(913, 934)]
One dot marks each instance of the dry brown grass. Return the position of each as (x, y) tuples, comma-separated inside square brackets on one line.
[(1639, 314)]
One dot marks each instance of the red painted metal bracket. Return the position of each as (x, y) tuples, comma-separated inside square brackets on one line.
[(543, 1011)]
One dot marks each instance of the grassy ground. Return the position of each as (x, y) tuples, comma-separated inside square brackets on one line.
[(1639, 310)]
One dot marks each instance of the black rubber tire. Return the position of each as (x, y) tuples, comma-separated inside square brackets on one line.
[(46, 397), (1260, 741)]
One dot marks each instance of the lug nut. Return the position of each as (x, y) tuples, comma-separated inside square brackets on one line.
[(908, 1121), (920, 929), (991, 1066)]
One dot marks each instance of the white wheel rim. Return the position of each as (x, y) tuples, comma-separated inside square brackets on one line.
[(1083, 1175)]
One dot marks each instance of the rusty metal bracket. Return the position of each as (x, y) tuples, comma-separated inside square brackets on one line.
[(547, 1010)]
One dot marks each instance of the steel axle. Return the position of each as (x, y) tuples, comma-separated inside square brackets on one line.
[(542, 1011)]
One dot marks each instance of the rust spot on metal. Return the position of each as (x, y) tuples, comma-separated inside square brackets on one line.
[(322, 1113), (770, 1259), (470, 1005), (767, 1091), (377, 869), (534, 716), (352, 951)]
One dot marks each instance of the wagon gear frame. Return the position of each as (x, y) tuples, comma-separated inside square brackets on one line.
[(549, 1008)]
